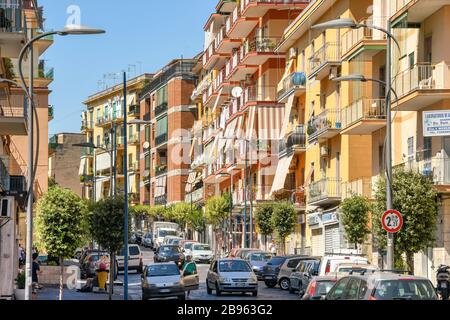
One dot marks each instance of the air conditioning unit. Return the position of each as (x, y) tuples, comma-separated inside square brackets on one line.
[(293, 53), (324, 151), (333, 73)]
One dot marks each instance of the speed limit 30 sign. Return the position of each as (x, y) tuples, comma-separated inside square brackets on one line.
[(392, 221)]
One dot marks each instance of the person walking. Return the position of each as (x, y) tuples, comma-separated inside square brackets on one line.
[(273, 247), (189, 268), (21, 254), (36, 269)]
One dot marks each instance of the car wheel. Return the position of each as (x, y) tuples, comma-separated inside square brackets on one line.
[(285, 284), (218, 292), (208, 290), (270, 284), (255, 293)]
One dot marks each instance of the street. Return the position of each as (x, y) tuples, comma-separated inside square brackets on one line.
[(264, 293)]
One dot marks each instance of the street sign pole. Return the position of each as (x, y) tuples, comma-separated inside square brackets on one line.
[(125, 169)]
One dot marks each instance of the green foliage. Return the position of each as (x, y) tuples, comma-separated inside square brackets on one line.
[(283, 219), (52, 182), (159, 212), (355, 218), (9, 69), (196, 220), (217, 209), (180, 212), (60, 222), (415, 197), (263, 216), (106, 222)]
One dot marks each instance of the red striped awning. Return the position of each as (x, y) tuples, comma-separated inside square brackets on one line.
[(270, 120)]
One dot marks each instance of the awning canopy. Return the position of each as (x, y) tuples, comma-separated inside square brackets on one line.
[(233, 132), (82, 171), (287, 114), (269, 122), (281, 173), (99, 187), (132, 183), (190, 181), (215, 147), (160, 188), (103, 161), (217, 100), (249, 135)]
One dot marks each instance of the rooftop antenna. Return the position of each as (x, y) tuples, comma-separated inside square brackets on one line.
[(132, 66), (140, 66)]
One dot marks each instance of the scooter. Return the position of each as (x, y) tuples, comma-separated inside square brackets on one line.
[(443, 281)]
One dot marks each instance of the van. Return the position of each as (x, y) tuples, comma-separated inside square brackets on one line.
[(134, 258), (329, 263)]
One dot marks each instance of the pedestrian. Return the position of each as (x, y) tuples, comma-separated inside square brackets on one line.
[(189, 268), (36, 269), (273, 247), (21, 256)]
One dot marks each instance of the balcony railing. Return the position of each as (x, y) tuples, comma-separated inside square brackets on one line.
[(361, 187), (423, 76), (161, 200), (330, 52), (324, 189), (259, 94), (4, 173), (296, 139), (161, 108), (17, 184), (133, 139), (397, 5), (437, 168), (161, 169), (11, 18), (354, 36), (134, 110), (259, 45), (161, 139), (364, 109), (330, 119), (194, 196), (295, 81), (87, 125)]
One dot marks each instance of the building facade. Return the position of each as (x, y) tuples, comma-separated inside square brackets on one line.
[(64, 160)]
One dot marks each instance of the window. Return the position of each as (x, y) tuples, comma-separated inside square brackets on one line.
[(147, 162), (293, 263), (411, 60), (98, 140), (352, 290), (147, 133), (427, 147), (339, 289), (362, 290), (161, 127), (410, 148)]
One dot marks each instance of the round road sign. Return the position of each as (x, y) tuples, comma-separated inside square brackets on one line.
[(392, 221)]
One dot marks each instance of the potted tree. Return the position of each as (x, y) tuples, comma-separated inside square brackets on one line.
[(19, 292)]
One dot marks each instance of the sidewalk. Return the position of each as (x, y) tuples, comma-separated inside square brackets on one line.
[(52, 293)]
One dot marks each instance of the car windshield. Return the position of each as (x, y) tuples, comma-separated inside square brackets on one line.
[(203, 247), (234, 266), (405, 289), (176, 241), (276, 261), (169, 249), (260, 256), (132, 251), (323, 287), (164, 233), (162, 270), (188, 246)]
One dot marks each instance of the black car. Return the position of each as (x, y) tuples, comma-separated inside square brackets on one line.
[(167, 253), (269, 272), (147, 240), (136, 238)]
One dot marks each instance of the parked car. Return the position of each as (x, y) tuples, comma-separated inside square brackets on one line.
[(134, 258), (257, 261), (355, 268), (233, 252), (329, 263), (289, 266), (300, 278), (242, 253), (92, 262), (318, 288), (271, 269), (147, 240), (382, 286), (201, 253), (231, 275), (163, 280), (167, 253)]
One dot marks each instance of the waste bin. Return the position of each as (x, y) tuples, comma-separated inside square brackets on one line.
[(102, 276)]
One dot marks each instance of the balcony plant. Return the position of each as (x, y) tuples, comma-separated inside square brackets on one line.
[(19, 292), (311, 129)]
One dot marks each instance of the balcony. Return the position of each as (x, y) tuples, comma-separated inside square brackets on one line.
[(360, 187), (133, 166), (259, 50), (4, 173), (324, 192), (53, 144), (226, 6), (238, 26), (364, 41), (320, 63), (294, 84), (161, 108), (13, 115), (235, 71), (147, 116), (194, 196), (259, 8), (211, 56), (256, 94), (160, 170), (12, 29), (295, 143), (161, 200), (104, 121), (418, 10), (134, 111), (225, 45), (51, 113), (133, 139), (86, 179), (17, 184), (364, 116), (87, 152), (199, 163), (437, 168), (422, 86), (161, 139), (87, 126), (325, 126)]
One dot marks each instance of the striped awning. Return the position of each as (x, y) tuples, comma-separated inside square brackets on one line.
[(160, 187), (281, 173), (234, 132), (270, 120), (190, 181), (249, 134), (287, 114), (81, 171)]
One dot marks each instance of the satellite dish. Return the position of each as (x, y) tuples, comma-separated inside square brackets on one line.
[(146, 145), (237, 92)]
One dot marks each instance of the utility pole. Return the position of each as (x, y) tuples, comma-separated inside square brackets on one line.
[(125, 169), (245, 195)]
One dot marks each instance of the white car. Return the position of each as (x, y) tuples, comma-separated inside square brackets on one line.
[(329, 263), (201, 252), (231, 275), (134, 258)]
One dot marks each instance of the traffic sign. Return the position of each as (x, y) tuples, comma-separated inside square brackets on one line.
[(392, 221)]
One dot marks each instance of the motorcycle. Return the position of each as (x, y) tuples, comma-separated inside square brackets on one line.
[(443, 281)]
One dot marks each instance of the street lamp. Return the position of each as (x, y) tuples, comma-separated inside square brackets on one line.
[(350, 23), (68, 30)]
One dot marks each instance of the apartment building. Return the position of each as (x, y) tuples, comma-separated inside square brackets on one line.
[(18, 20), (164, 161), (64, 160), (102, 125), (239, 115)]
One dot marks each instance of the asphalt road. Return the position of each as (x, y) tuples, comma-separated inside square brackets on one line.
[(264, 293)]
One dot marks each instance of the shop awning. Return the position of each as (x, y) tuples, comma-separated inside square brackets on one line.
[(103, 161), (269, 122), (287, 114), (82, 171), (281, 173)]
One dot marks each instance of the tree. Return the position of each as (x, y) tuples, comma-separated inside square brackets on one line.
[(217, 209), (60, 225), (180, 212), (106, 222), (356, 218), (263, 216), (415, 197), (283, 220), (196, 220)]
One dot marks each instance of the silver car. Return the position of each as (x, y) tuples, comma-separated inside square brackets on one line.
[(161, 280), (231, 275)]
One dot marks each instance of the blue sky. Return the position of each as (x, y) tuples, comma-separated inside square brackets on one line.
[(148, 31)]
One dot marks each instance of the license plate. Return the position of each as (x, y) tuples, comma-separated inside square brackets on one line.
[(164, 290), (444, 285), (268, 277)]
